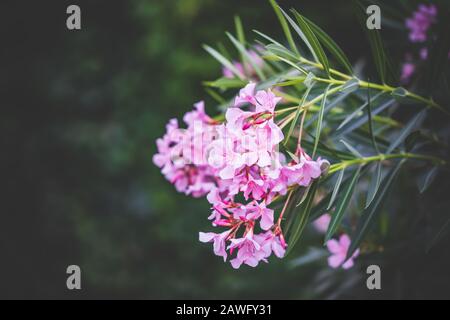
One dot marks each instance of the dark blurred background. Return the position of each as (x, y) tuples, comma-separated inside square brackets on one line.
[(81, 111)]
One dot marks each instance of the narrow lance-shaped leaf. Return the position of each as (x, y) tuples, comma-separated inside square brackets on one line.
[(417, 119), (342, 205), (374, 184), (369, 214), (302, 218), (285, 26), (329, 43), (240, 35), (350, 86), (297, 114), (247, 56), (357, 112), (369, 119), (300, 33), (337, 185), (426, 179), (356, 123), (351, 149), (292, 64), (320, 120), (224, 61), (314, 44)]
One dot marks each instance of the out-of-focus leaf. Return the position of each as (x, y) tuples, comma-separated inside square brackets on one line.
[(302, 218), (358, 122), (215, 96), (351, 149), (357, 112), (374, 184), (336, 188), (225, 83), (329, 43), (426, 179), (369, 120), (284, 25), (342, 204), (320, 120), (369, 214), (313, 255), (416, 120), (350, 86), (224, 61), (247, 56)]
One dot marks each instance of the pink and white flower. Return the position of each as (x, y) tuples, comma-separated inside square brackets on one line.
[(339, 251)]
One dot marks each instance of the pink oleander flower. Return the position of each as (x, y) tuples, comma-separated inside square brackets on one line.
[(238, 158), (218, 240), (423, 53), (182, 153), (321, 223), (249, 137), (408, 69), (338, 250), (245, 69), (420, 22), (249, 251)]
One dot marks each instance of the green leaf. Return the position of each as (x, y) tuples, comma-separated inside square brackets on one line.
[(311, 39), (357, 112), (285, 26), (374, 184), (329, 43), (225, 83), (426, 179), (302, 218), (313, 255), (279, 50), (302, 70), (406, 130), (215, 96), (301, 34), (356, 123), (342, 205), (337, 185), (320, 120), (239, 29), (224, 61), (351, 149), (297, 114), (247, 56), (369, 119), (350, 86), (369, 214), (399, 92)]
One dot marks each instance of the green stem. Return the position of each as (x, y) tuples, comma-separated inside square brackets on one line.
[(381, 157), (366, 84)]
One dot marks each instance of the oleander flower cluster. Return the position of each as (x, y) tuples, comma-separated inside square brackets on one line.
[(237, 165)]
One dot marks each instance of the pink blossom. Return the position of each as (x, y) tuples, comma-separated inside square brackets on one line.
[(338, 250), (423, 53), (420, 22), (247, 68), (321, 224), (408, 69), (249, 251), (218, 240), (182, 153), (238, 158)]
